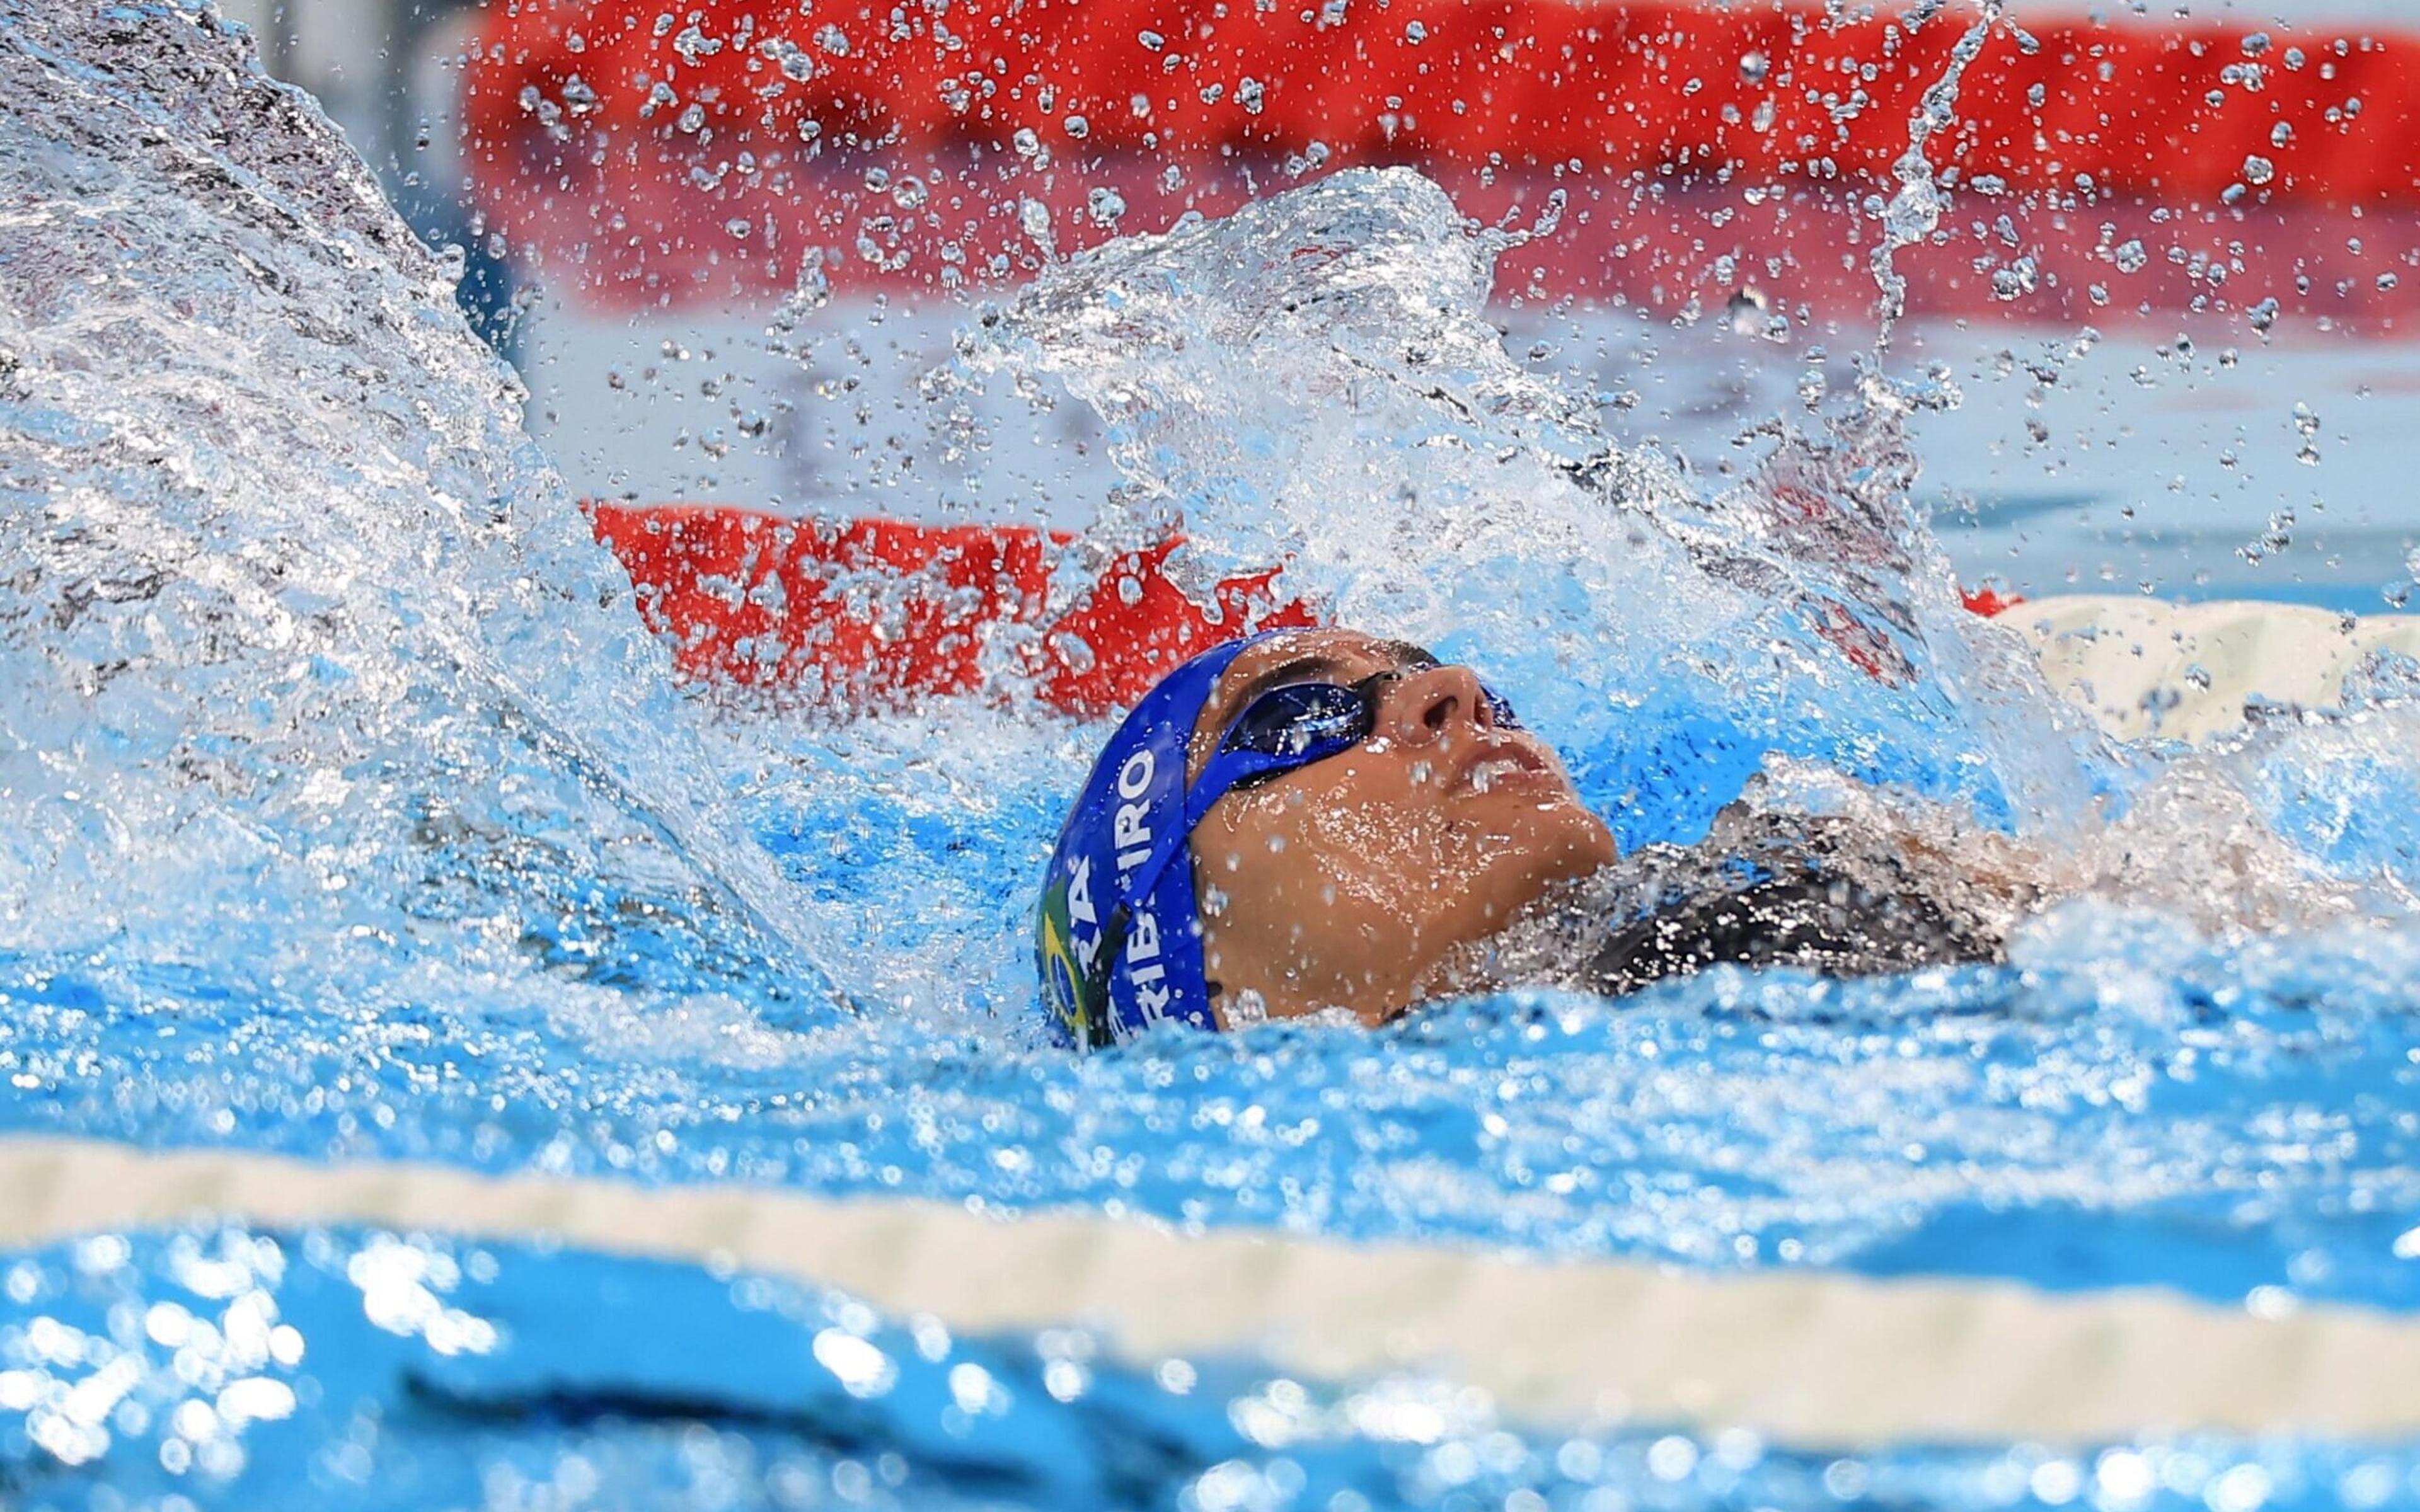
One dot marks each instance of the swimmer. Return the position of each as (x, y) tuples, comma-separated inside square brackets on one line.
[(1313, 820)]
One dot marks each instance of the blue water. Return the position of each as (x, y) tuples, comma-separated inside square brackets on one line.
[(336, 1369), (349, 813)]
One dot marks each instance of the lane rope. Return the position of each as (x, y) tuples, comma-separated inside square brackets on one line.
[(1808, 1359), (644, 168)]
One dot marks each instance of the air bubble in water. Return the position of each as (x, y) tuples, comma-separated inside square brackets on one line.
[(2258, 170), (1076, 126), (1105, 206), (2263, 315), (1754, 67), (2130, 256)]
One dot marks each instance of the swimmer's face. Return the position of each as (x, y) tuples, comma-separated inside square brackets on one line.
[(1350, 882)]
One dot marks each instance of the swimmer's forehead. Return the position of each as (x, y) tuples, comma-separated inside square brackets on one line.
[(1302, 657)]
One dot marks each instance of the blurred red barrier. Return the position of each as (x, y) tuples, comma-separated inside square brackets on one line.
[(862, 613), (2175, 108), (876, 613), (653, 157)]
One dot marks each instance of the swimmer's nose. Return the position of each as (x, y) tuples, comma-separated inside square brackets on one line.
[(1433, 702)]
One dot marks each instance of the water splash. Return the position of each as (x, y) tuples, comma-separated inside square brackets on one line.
[(1313, 379), (305, 639), (1915, 210), (293, 516)]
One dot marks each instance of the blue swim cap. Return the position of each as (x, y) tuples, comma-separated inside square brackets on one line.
[(1130, 817)]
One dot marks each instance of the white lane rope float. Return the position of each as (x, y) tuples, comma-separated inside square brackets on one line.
[(1811, 1359)]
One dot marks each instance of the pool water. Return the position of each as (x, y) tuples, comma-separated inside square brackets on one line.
[(340, 1369), (348, 812)]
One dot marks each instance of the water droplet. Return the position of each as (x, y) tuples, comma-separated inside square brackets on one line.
[(1078, 126), (2130, 256), (2258, 170), (1754, 67), (791, 59)]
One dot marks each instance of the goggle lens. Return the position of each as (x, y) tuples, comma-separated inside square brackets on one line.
[(1316, 719), (1297, 720)]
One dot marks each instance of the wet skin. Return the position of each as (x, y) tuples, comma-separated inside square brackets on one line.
[(1350, 882)]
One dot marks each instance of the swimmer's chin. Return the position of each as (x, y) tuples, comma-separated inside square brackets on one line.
[(1242, 1010), (1478, 967)]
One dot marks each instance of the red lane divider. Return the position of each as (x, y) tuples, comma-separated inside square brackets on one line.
[(645, 163), (1987, 602), (870, 613), (2175, 108), (878, 614)]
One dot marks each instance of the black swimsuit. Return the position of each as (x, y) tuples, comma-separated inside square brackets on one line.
[(1817, 894)]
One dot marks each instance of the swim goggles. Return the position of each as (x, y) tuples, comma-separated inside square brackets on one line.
[(1284, 730)]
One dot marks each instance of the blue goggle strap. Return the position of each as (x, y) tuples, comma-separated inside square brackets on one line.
[(1219, 777)]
